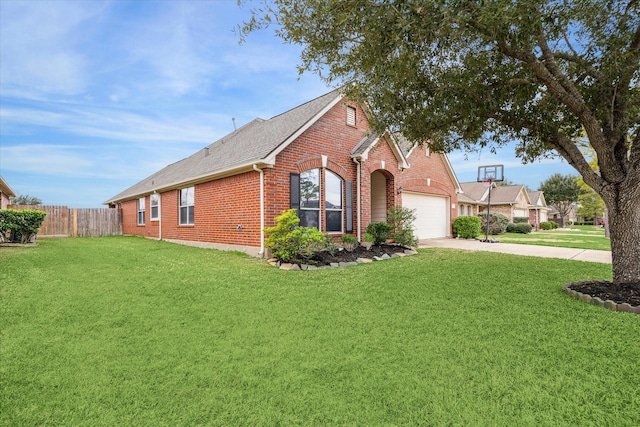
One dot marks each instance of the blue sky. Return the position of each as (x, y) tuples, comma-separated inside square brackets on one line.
[(97, 95)]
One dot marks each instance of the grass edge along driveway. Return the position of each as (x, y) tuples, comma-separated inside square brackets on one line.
[(130, 331)]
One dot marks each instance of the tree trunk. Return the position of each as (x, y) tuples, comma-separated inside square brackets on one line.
[(624, 228)]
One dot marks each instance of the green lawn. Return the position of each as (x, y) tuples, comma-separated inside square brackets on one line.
[(129, 331), (579, 236)]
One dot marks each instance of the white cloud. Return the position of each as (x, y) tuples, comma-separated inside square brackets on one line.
[(39, 44)]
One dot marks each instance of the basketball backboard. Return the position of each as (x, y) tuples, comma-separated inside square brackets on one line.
[(491, 173)]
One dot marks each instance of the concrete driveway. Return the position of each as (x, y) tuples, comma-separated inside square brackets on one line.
[(516, 249)]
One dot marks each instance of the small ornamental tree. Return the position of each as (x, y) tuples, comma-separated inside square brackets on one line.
[(288, 241), (401, 221)]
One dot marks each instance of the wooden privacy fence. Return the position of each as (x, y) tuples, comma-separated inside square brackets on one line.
[(62, 221)]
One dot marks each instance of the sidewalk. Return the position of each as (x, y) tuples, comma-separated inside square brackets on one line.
[(517, 249)]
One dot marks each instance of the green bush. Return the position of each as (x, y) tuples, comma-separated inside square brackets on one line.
[(548, 225), (497, 223), (288, 241), (401, 221), (522, 228), (379, 231), (349, 242), (20, 226), (467, 227), (520, 219)]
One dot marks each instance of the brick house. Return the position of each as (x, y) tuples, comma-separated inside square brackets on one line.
[(320, 158), (512, 201), (5, 193)]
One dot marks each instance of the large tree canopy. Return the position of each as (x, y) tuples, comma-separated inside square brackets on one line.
[(464, 73), (561, 192)]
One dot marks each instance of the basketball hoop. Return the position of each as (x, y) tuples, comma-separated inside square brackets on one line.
[(488, 175)]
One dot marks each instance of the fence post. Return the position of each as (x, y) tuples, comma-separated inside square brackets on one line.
[(75, 222)]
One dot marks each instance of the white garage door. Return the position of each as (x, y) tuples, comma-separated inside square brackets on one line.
[(432, 214)]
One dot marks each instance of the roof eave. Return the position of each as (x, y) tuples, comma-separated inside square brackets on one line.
[(235, 170)]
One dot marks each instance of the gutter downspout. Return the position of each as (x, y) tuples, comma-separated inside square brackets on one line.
[(357, 162), (261, 172), (159, 215)]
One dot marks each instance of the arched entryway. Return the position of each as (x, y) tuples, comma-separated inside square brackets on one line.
[(380, 194)]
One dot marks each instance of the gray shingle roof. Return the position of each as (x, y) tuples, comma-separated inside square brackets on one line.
[(475, 191), (252, 143)]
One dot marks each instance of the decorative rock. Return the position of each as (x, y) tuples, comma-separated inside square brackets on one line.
[(312, 267), (597, 301), (385, 256), (410, 252), (286, 266), (377, 258), (334, 264), (611, 305), (304, 266), (364, 260), (586, 298), (628, 308), (347, 264)]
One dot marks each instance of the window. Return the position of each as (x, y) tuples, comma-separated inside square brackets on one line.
[(305, 196), (141, 211), (469, 210), (461, 210), (333, 202), (309, 212), (351, 116), (154, 201), (186, 206)]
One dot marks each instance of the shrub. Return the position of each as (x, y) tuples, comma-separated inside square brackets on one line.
[(548, 225), (401, 221), (20, 226), (522, 228), (349, 242), (379, 231), (466, 227), (288, 241), (497, 223), (520, 219)]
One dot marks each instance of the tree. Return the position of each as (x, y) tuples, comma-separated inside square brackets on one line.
[(561, 192), (25, 200), (462, 74), (590, 205)]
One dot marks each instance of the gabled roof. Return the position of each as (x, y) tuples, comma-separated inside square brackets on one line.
[(5, 189), (473, 191), (256, 143), (477, 192), (537, 199), (407, 147), (361, 150), (506, 194)]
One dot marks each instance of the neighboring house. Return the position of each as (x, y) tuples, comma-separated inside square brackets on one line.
[(512, 201), (5, 193), (320, 158), (571, 217)]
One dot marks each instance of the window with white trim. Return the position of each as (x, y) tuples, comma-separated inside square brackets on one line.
[(309, 212), (333, 202), (187, 203), (310, 187), (141, 211), (154, 202), (351, 116)]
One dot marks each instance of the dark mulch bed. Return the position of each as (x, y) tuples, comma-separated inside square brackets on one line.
[(605, 290), (325, 258)]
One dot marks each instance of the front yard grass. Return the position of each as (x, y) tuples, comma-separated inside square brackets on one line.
[(129, 331), (581, 237)]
